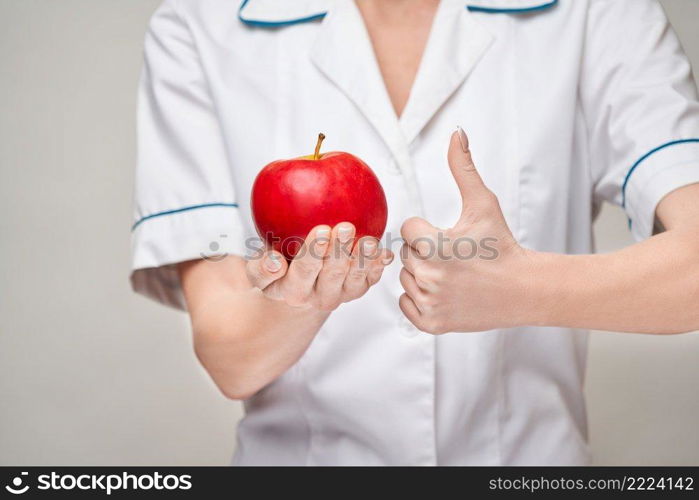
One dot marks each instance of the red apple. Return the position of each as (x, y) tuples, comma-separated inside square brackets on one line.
[(291, 197)]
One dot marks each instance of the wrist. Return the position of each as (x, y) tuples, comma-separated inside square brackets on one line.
[(544, 279), (275, 307)]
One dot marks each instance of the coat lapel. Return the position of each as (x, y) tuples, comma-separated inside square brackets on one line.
[(456, 44), (344, 54)]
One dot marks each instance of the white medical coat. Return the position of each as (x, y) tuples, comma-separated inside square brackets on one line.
[(567, 104)]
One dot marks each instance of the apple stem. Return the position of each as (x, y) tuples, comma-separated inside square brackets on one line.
[(321, 138)]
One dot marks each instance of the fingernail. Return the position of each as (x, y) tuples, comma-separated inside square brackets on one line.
[(273, 262), (344, 232), (387, 260), (463, 139), (322, 236), (368, 247)]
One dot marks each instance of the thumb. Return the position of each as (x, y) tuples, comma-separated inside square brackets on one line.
[(265, 269), (464, 171)]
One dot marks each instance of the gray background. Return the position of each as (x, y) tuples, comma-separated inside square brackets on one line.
[(92, 374)]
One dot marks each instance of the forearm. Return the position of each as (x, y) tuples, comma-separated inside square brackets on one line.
[(650, 287), (254, 319), (246, 340)]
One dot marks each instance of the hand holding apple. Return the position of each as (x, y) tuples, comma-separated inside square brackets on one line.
[(327, 270), (311, 211), (473, 276)]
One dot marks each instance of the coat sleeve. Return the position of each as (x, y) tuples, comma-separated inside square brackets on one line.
[(185, 205), (640, 105)]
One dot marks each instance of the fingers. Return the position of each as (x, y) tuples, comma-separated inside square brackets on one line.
[(366, 267), (303, 271), (378, 266), (266, 270), (463, 169), (332, 276), (329, 269), (419, 234), (364, 256), (410, 258), (409, 309), (411, 287)]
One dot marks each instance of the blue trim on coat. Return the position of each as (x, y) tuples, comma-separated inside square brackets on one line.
[(321, 15), (180, 210), (524, 10), (645, 157), (279, 24)]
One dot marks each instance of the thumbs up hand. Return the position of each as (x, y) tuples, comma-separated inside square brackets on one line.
[(473, 276)]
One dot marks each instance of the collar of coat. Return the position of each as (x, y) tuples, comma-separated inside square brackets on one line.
[(279, 13)]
